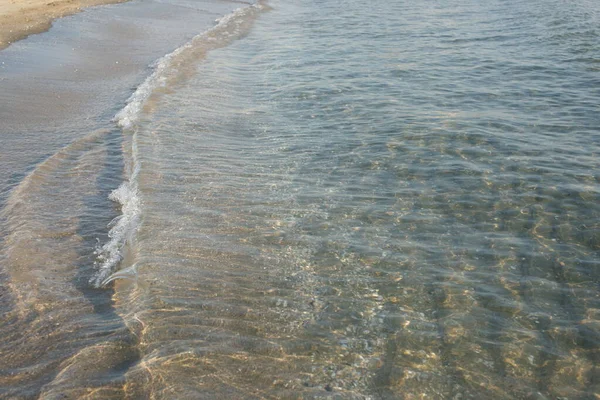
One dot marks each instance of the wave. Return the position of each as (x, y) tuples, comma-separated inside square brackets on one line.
[(168, 71)]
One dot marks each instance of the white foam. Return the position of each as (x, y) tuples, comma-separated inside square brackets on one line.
[(124, 227), (121, 230), (163, 67)]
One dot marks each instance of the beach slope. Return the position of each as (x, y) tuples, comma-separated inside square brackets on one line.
[(21, 18)]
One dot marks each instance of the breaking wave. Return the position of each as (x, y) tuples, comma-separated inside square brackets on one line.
[(169, 70)]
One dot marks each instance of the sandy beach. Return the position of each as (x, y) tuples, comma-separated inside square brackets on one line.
[(21, 18)]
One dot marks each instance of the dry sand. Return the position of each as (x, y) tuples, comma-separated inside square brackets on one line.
[(21, 18)]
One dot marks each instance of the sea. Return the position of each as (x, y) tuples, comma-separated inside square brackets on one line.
[(316, 199)]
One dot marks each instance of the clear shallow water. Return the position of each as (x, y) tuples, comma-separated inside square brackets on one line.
[(335, 201)]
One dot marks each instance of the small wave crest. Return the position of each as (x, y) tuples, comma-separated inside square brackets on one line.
[(167, 70), (121, 228), (172, 66)]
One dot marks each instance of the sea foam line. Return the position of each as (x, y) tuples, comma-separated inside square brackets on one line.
[(123, 228)]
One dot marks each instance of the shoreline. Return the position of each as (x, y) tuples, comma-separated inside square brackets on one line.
[(19, 19)]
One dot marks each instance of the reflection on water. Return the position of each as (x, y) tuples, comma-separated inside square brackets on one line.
[(392, 201)]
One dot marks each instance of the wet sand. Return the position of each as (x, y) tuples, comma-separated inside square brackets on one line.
[(21, 18)]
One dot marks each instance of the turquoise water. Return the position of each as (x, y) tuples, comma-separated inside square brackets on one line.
[(326, 199)]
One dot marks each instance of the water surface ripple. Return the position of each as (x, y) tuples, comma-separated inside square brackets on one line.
[(382, 200), (392, 201)]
